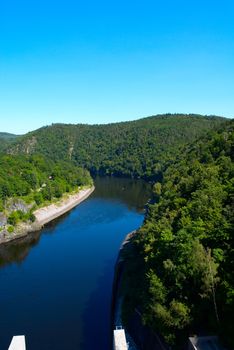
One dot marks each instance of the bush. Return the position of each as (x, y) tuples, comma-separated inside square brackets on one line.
[(13, 218), (31, 217), (38, 198), (10, 229)]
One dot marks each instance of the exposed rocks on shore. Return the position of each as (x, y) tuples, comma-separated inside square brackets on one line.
[(42, 215)]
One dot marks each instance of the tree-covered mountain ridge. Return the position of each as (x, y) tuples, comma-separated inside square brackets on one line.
[(7, 135), (6, 139), (137, 148), (180, 272)]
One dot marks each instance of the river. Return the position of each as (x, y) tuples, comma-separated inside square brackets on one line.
[(56, 284)]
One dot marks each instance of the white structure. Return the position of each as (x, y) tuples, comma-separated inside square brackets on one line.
[(120, 342), (204, 343), (18, 343)]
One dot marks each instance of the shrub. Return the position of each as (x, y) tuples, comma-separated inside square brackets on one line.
[(10, 229)]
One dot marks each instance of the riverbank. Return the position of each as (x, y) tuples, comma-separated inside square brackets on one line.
[(117, 295), (53, 211), (47, 214), (138, 335)]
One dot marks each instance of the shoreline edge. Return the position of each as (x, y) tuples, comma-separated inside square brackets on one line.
[(48, 213)]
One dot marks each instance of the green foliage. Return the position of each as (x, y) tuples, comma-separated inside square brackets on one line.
[(10, 229), (5, 140), (36, 179), (38, 198), (22, 175), (138, 148), (183, 266), (7, 136), (31, 217), (14, 217), (18, 215)]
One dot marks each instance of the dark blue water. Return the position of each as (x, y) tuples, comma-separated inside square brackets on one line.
[(55, 285)]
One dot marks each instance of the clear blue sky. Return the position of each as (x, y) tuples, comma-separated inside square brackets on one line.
[(104, 61)]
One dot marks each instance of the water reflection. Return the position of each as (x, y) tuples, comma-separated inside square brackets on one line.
[(16, 251), (134, 193)]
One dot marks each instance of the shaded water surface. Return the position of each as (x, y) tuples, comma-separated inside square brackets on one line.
[(55, 285)]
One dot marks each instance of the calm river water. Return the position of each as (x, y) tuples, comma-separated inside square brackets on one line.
[(55, 285)]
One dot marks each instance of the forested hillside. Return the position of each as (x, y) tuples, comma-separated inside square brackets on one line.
[(29, 181), (180, 272), (137, 148), (7, 136), (6, 139)]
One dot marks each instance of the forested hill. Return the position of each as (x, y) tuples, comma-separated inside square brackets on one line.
[(6, 139), (136, 148), (180, 275), (27, 182), (7, 136)]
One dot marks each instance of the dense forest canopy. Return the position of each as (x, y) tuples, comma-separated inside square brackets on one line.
[(138, 148), (20, 175), (32, 181), (180, 274), (6, 139), (7, 136)]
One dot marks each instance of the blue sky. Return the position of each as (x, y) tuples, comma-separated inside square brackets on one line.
[(105, 61)]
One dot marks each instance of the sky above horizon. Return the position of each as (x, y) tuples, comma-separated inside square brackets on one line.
[(106, 61)]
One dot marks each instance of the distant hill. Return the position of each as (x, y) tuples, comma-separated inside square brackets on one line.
[(138, 148), (5, 139), (7, 136)]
